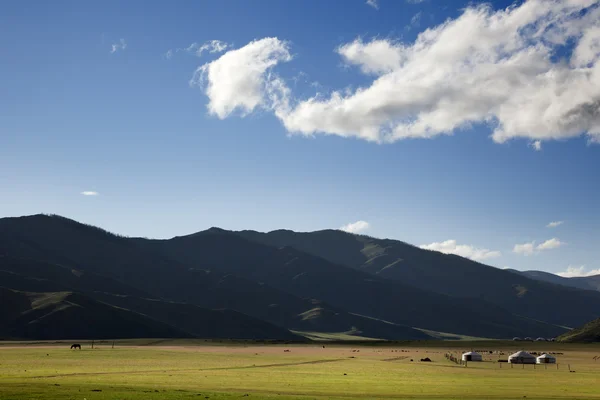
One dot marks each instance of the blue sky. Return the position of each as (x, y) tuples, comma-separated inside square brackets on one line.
[(172, 148)]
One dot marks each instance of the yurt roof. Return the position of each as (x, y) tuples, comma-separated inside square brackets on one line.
[(521, 354), (546, 356), (471, 353)]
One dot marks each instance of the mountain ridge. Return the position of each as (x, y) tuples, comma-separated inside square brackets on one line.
[(281, 282)]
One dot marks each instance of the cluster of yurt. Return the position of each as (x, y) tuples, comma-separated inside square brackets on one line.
[(521, 357), (472, 356)]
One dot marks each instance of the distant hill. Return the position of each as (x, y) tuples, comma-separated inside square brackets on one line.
[(305, 275), (590, 332), (324, 282), (583, 282), (443, 273), (63, 255), (66, 315)]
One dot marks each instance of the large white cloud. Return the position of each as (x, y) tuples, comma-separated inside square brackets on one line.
[(355, 227), (578, 271), (501, 68), (241, 79), (467, 251), (484, 66)]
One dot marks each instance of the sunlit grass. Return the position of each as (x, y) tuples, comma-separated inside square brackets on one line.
[(336, 371)]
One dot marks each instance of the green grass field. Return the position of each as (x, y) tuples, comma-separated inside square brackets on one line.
[(199, 370)]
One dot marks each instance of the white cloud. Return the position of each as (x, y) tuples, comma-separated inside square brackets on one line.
[(211, 46), (498, 68), (415, 21), (121, 45), (526, 249), (483, 67), (378, 57), (373, 3), (530, 248), (549, 244), (451, 247), (537, 145), (554, 224), (578, 271), (355, 227), (242, 80), (89, 193), (415, 1)]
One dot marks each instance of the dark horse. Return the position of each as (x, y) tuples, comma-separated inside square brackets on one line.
[(75, 346)]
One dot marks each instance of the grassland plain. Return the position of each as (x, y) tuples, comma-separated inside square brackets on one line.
[(197, 369)]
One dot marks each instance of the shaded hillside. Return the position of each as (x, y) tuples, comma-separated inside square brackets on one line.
[(231, 324), (443, 273), (590, 332), (66, 315), (200, 322), (305, 275), (118, 265), (583, 282)]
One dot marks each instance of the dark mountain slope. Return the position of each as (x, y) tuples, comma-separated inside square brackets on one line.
[(56, 261), (584, 282), (590, 332), (198, 321), (305, 275), (444, 274), (66, 315)]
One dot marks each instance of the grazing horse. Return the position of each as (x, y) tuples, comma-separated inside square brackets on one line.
[(76, 346)]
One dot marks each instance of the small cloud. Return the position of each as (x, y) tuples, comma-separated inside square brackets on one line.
[(415, 1), (550, 244), (525, 249), (355, 227), (554, 224), (415, 21), (211, 46), (89, 193), (118, 46), (373, 3), (530, 248), (467, 251), (578, 271), (536, 145)]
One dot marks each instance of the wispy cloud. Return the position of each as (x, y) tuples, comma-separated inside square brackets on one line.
[(120, 46), (211, 46), (415, 21), (554, 224), (530, 248), (467, 251), (355, 227), (373, 3), (90, 193), (415, 1), (536, 145), (578, 271)]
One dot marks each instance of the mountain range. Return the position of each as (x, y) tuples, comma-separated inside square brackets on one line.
[(581, 282), (281, 285)]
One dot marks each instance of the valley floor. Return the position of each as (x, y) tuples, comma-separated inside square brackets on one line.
[(196, 369)]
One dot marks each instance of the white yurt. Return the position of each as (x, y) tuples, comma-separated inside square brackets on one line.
[(521, 357), (546, 359), (472, 356)]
